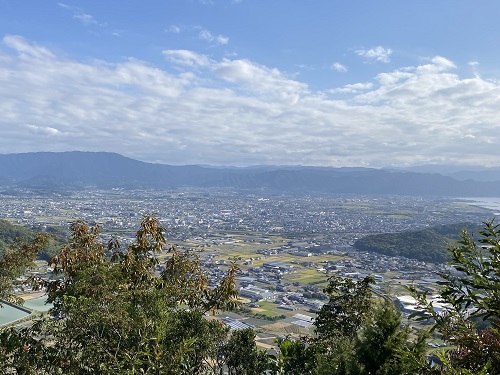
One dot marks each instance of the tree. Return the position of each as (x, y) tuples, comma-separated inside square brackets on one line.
[(19, 256), (295, 357), (338, 322), (348, 306), (242, 355), (113, 313), (470, 294), (357, 334), (383, 346)]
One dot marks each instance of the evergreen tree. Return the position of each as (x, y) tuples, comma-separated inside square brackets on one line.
[(359, 335), (384, 347), (470, 294), (242, 355), (295, 357)]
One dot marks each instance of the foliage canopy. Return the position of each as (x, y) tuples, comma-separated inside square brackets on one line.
[(114, 312), (470, 294), (117, 310), (428, 245)]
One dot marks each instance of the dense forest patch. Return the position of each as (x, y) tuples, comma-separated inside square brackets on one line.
[(428, 245), (10, 233)]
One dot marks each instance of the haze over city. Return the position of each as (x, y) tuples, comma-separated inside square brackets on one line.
[(253, 82)]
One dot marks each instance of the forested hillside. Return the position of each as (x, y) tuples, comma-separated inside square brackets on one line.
[(428, 245), (10, 233)]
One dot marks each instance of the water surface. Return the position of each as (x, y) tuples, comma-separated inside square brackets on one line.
[(10, 314), (37, 304)]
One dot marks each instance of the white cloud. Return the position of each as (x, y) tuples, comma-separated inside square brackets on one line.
[(221, 39), (353, 88), (378, 53), (387, 79), (260, 80), (339, 67), (418, 81), (235, 111), (207, 36), (439, 64), (22, 46), (44, 130), (185, 57)]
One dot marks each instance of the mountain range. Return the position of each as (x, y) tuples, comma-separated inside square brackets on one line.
[(79, 170)]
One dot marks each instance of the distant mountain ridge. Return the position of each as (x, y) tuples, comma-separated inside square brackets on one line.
[(459, 172), (77, 170)]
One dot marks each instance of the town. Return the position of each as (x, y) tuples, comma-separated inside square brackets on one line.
[(285, 245)]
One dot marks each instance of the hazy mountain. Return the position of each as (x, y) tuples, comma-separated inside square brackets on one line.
[(76, 170), (458, 172)]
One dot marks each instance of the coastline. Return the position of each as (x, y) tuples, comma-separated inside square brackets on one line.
[(490, 203)]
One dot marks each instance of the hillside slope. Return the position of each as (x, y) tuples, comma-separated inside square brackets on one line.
[(428, 245)]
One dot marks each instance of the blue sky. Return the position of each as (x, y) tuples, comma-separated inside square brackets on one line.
[(251, 82)]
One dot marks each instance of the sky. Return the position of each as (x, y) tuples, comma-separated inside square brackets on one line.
[(388, 83)]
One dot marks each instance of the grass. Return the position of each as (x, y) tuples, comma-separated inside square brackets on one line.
[(269, 313), (306, 276)]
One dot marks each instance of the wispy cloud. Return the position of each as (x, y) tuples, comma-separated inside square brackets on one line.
[(79, 14), (185, 57), (174, 29), (26, 49), (218, 39), (201, 33), (339, 67), (378, 53), (222, 39), (117, 32), (236, 111)]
